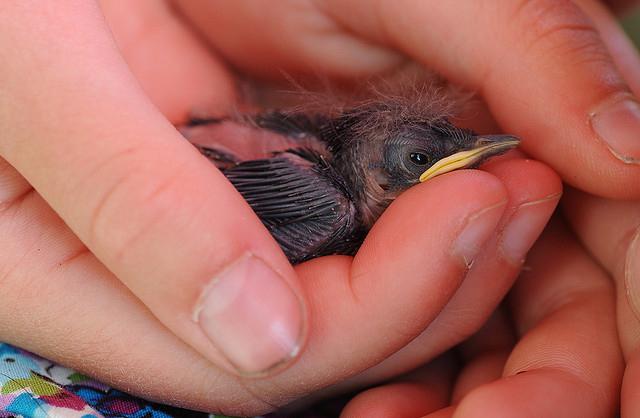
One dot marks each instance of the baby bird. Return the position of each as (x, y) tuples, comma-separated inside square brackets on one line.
[(318, 181)]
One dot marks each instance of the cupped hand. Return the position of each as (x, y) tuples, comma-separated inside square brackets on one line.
[(565, 361), (129, 257), (610, 230), (611, 233), (541, 66), (566, 339)]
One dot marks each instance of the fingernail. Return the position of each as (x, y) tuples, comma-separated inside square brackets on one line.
[(524, 227), (618, 125), (476, 231), (632, 274), (252, 316)]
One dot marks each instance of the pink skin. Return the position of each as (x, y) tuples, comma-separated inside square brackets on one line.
[(549, 372), (245, 142), (513, 75), (139, 227), (608, 228)]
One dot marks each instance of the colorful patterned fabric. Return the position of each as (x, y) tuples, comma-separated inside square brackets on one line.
[(33, 387)]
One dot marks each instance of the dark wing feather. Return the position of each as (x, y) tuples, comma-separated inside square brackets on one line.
[(300, 200), (291, 124)]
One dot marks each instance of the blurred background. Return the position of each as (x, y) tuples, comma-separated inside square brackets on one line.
[(631, 23)]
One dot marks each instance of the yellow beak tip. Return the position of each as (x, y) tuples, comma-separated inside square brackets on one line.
[(467, 158)]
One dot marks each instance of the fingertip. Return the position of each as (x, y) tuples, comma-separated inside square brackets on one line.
[(538, 393), (434, 231), (403, 275), (446, 201), (398, 400), (531, 178), (253, 317)]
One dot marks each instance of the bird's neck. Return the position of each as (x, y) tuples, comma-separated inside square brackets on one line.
[(362, 179)]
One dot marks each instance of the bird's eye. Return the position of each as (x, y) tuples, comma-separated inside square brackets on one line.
[(418, 158)]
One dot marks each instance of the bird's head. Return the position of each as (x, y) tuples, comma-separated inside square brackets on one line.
[(417, 152), (391, 148)]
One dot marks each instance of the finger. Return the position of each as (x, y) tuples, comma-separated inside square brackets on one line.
[(623, 52), (540, 65), (364, 296), (138, 195), (60, 302), (485, 354), (424, 391), (12, 185), (609, 228), (606, 227), (567, 362), (611, 232), (428, 390), (533, 191), (175, 69), (97, 326), (310, 42)]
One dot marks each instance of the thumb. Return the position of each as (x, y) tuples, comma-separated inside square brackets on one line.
[(157, 214)]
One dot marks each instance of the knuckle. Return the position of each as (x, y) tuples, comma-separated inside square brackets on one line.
[(559, 28), (13, 187), (155, 212), (132, 206), (38, 248), (20, 248)]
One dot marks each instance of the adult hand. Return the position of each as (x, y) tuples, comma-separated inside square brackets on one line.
[(141, 266)]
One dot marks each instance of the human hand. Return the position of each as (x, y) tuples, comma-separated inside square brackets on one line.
[(126, 225), (552, 353), (547, 69), (610, 231), (541, 66)]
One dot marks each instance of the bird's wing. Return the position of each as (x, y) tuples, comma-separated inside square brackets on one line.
[(301, 201)]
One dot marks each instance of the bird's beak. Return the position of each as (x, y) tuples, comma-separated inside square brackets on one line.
[(484, 147)]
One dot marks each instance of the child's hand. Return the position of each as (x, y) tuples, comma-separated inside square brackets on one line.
[(562, 311), (553, 353), (610, 230), (541, 65), (165, 225), (133, 260)]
